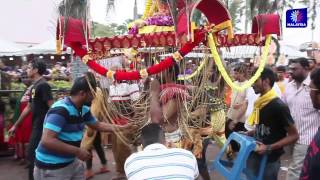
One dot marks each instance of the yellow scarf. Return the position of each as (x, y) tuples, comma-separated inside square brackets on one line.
[(259, 104)]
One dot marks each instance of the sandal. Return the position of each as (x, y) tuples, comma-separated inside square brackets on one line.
[(89, 174)]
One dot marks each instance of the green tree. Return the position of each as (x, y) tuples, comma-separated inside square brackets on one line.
[(101, 30), (255, 7), (313, 5), (123, 28), (73, 8)]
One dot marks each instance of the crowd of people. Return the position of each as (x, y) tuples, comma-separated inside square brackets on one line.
[(16, 78), (281, 109), (57, 71)]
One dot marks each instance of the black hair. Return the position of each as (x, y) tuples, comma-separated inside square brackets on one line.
[(313, 59), (40, 65), (267, 73), (82, 84), (12, 102), (315, 77), (174, 70), (240, 68), (151, 133), (281, 68), (171, 71), (302, 61)]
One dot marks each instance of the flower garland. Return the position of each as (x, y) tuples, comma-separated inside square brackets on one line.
[(147, 9), (136, 75), (159, 20), (223, 71), (203, 63)]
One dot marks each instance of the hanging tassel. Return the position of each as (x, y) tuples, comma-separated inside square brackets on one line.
[(193, 27), (58, 46)]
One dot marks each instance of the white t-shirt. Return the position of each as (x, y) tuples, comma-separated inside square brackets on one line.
[(237, 97), (251, 98), (156, 161)]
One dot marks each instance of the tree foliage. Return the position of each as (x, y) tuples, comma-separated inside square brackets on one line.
[(236, 10), (109, 30), (312, 13), (101, 30)]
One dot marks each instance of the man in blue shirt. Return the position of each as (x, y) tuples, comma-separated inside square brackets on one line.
[(58, 153)]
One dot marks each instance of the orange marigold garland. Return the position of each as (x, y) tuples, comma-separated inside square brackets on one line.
[(144, 73), (177, 56), (110, 75), (85, 59)]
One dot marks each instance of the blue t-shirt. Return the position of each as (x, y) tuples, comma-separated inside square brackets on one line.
[(68, 122)]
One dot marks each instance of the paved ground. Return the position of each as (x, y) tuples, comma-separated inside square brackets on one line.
[(11, 170)]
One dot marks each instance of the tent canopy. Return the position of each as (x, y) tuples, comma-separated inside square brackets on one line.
[(292, 51), (47, 47), (8, 48)]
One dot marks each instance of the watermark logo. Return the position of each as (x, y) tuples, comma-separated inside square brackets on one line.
[(296, 18)]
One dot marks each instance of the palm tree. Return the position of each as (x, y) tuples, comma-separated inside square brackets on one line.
[(73, 8), (255, 7), (110, 6)]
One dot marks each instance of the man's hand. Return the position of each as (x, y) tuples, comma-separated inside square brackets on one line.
[(243, 132), (83, 154), (90, 132), (12, 130), (261, 148)]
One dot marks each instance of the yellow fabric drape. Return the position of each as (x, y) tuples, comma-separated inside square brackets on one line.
[(223, 71), (259, 104), (218, 122), (154, 28)]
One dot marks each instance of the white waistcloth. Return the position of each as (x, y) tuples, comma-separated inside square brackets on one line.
[(124, 92), (174, 136)]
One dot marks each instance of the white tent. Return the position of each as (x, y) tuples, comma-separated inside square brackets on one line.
[(47, 47), (291, 51), (8, 48)]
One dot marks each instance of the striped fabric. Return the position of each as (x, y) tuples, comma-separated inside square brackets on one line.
[(64, 119), (174, 136), (156, 162), (124, 92), (306, 118)]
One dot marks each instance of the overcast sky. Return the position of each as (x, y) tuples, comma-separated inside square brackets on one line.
[(34, 20)]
